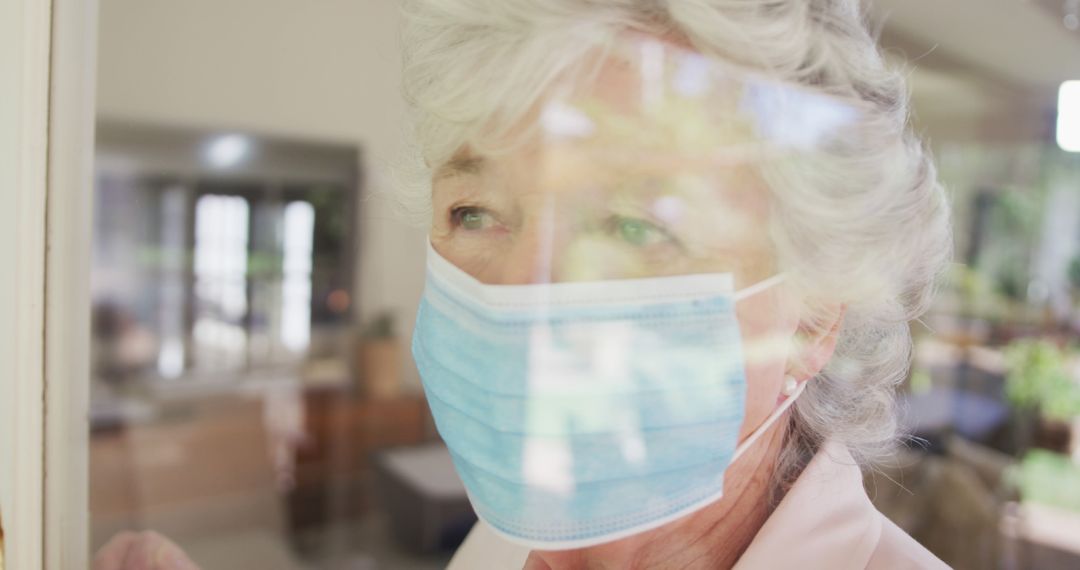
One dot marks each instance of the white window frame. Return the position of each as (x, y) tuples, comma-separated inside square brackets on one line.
[(48, 69)]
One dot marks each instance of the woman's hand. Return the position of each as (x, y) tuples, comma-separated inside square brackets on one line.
[(145, 550)]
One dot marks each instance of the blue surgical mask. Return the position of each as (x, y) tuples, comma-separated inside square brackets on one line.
[(581, 413)]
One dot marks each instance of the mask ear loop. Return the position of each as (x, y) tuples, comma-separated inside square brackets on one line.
[(738, 296), (758, 287), (769, 421)]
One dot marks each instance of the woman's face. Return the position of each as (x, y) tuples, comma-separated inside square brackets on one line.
[(609, 188)]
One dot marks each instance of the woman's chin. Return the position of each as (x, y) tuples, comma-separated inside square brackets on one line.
[(615, 554)]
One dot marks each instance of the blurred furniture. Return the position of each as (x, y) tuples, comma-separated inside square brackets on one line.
[(378, 359), (201, 468), (196, 468), (943, 411), (1048, 478), (949, 502), (966, 395), (214, 267), (334, 475), (423, 498), (1044, 537), (964, 505)]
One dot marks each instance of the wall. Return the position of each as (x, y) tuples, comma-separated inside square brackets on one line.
[(326, 70), (329, 70)]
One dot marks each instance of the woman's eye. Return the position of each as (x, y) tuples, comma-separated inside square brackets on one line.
[(638, 232), (470, 218)]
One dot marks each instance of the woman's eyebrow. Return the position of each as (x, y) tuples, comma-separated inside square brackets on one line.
[(458, 165)]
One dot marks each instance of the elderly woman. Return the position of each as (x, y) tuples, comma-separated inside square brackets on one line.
[(674, 249)]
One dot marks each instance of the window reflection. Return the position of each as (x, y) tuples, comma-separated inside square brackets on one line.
[(244, 406), (221, 259), (240, 406), (299, 221), (197, 279)]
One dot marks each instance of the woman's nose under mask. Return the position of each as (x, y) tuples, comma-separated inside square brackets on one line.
[(579, 413)]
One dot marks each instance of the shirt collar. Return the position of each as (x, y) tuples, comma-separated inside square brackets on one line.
[(824, 521)]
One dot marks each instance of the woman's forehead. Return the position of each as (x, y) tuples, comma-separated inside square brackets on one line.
[(653, 99), (645, 113), (654, 106)]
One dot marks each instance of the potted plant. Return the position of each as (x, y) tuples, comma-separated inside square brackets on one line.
[(1073, 275), (379, 358), (1045, 398)]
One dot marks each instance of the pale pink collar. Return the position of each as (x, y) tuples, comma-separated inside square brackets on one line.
[(825, 520)]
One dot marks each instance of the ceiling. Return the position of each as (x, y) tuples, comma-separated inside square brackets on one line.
[(1020, 41), (981, 69)]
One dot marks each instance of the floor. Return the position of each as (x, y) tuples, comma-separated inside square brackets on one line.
[(364, 545)]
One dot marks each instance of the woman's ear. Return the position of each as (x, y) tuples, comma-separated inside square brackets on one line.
[(816, 344)]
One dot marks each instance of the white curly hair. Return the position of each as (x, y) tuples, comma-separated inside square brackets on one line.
[(865, 227)]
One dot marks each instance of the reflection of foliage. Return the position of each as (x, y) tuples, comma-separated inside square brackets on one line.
[(263, 263), (1074, 273), (1015, 217), (986, 297), (674, 124), (1001, 194), (154, 257), (331, 220), (380, 327), (920, 382), (1012, 280), (1018, 213), (1038, 379), (970, 283), (1048, 478)]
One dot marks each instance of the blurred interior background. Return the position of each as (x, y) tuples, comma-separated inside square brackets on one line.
[(253, 396)]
